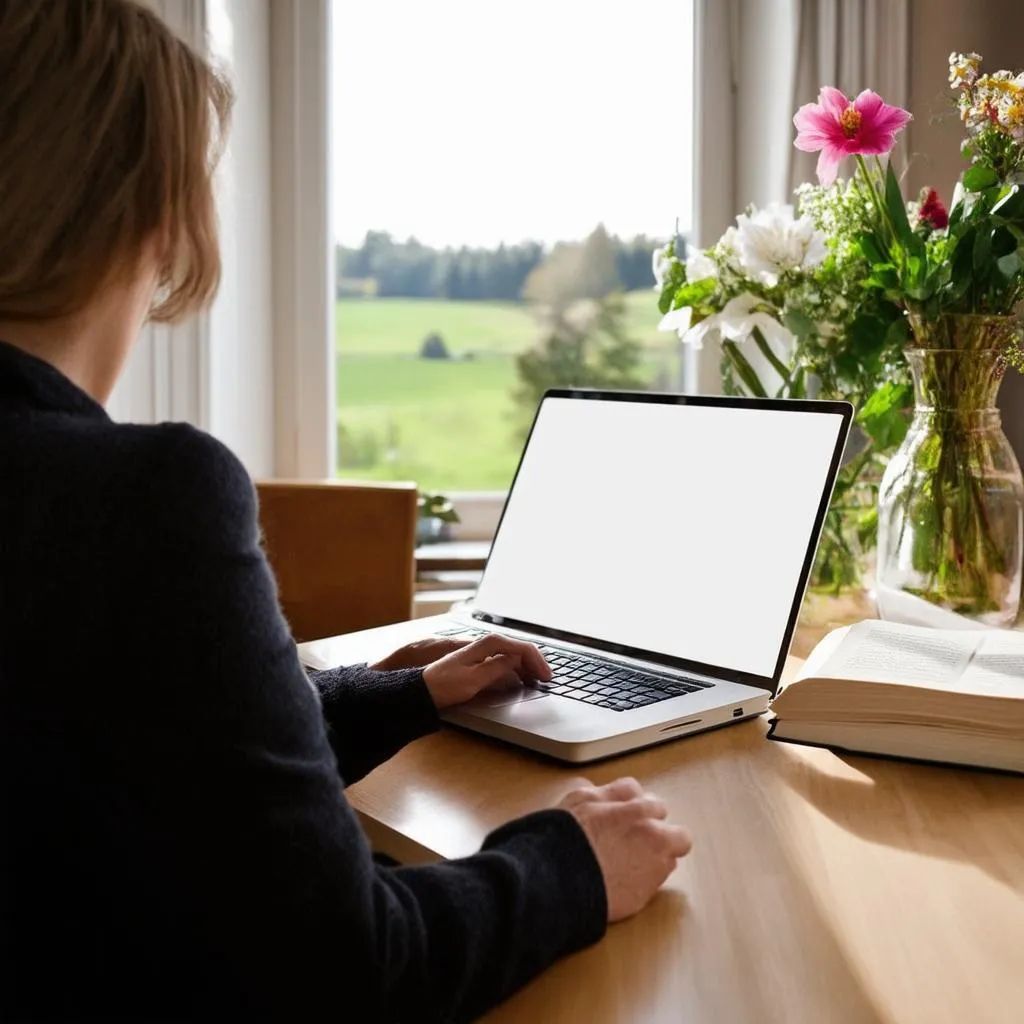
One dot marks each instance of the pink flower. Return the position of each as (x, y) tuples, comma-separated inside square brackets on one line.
[(839, 128)]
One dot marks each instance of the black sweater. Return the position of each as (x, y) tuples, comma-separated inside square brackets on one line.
[(176, 843)]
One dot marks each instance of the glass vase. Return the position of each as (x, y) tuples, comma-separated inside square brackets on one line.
[(951, 501), (850, 527)]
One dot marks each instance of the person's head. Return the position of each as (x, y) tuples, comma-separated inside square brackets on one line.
[(110, 129)]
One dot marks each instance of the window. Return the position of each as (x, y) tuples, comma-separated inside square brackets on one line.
[(501, 175)]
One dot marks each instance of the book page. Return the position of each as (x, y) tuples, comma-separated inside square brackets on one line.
[(997, 668), (824, 649), (887, 652)]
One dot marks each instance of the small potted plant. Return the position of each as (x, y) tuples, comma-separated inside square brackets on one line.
[(436, 512)]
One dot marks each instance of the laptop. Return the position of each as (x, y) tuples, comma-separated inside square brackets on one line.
[(656, 547)]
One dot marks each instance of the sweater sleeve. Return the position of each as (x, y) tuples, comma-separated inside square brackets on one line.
[(371, 715), (242, 801)]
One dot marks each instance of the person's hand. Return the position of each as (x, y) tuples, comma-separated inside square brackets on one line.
[(419, 653), (475, 666), (636, 847)]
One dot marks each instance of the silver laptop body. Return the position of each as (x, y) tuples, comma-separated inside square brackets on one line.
[(657, 549)]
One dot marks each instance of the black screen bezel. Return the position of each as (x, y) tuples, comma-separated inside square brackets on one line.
[(803, 406)]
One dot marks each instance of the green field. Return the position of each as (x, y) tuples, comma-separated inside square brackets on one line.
[(446, 424)]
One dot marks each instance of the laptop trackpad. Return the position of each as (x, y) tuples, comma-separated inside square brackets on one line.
[(500, 696)]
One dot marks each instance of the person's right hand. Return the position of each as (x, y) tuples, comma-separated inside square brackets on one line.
[(636, 847), (470, 668)]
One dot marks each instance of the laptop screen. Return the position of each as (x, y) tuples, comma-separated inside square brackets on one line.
[(676, 526)]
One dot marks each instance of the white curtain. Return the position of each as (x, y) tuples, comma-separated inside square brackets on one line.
[(761, 60), (165, 375)]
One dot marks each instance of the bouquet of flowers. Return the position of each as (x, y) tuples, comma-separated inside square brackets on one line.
[(827, 297), (785, 293)]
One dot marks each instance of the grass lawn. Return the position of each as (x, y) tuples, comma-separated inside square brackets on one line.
[(446, 424)]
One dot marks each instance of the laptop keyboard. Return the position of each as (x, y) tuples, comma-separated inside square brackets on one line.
[(604, 683)]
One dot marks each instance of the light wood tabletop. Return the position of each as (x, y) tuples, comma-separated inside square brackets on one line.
[(820, 888)]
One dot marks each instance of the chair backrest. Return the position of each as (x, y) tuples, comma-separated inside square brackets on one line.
[(342, 552)]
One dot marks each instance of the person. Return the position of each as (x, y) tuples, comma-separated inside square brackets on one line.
[(177, 843)]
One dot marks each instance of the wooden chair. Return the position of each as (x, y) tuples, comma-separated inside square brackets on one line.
[(342, 553)]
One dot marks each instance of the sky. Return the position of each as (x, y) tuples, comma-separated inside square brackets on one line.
[(474, 122)]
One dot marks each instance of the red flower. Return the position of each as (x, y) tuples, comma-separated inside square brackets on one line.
[(932, 212)]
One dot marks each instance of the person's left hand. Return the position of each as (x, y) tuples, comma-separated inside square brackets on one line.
[(419, 653)]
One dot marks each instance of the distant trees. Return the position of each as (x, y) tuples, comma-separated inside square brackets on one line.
[(573, 271), (384, 267), (582, 345)]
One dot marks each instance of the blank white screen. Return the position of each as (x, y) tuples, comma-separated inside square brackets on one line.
[(678, 529)]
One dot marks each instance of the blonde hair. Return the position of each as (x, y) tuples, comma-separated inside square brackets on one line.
[(110, 130)]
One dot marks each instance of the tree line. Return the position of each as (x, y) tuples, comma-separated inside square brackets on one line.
[(385, 267)]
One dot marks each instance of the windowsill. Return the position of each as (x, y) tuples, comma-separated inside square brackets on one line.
[(479, 512), (452, 556)]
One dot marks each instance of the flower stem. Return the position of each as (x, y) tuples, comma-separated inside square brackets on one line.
[(883, 210)]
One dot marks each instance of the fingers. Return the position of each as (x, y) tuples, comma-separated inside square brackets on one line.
[(496, 669), (581, 791), (648, 806), (640, 807), (621, 789), (442, 645), (678, 842), (532, 660)]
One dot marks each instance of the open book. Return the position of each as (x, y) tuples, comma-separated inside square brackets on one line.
[(951, 696)]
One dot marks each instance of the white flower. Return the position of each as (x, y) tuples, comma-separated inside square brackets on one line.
[(913, 213), (660, 262), (771, 241), (677, 320), (964, 69), (729, 241), (700, 266), (737, 321)]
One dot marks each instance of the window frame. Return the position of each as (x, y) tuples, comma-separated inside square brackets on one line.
[(306, 430), (305, 395)]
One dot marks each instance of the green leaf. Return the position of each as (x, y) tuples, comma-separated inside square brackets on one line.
[(916, 246), (694, 293), (982, 256), (867, 335), (1009, 266), (743, 369), (956, 215), (871, 247), (979, 177), (963, 257), (1011, 206), (938, 277), (674, 280), (883, 416), (437, 506), (867, 525), (894, 204), (799, 323), (1003, 242), (766, 350), (884, 276), (897, 332), (915, 277)]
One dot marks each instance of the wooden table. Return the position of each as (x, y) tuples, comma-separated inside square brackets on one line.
[(820, 889)]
